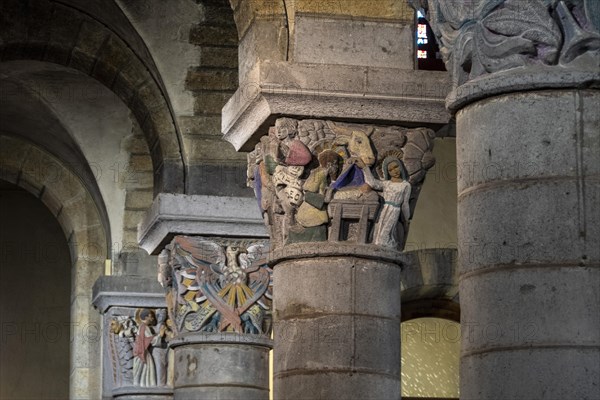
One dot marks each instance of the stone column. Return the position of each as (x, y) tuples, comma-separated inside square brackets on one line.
[(219, 297), (526, 78), (337, 199)]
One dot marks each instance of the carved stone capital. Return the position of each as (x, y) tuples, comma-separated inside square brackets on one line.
[(138, 347), (217, 285), (498, 46), (324, 181)]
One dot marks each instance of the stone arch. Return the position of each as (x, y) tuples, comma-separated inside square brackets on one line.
[(430, 285), (100, 42), (67, 198)]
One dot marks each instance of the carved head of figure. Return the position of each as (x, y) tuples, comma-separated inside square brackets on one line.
[(359, 146), (286, 128), (115, 326), (148, 317), (330, 160), (393, 168)]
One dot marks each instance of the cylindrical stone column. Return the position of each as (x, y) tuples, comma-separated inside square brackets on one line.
[(529, 230), (337, 326), (218, 366), (337, 199), (528, 155)]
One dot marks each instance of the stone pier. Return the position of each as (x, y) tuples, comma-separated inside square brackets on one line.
[(337, 200), (219, 295), (528, 154)]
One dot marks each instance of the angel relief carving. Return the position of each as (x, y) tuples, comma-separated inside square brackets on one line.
[(138, 346), (217, 285), (314, 182)]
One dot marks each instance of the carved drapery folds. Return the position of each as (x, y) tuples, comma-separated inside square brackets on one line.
[(217, 285), (482, 37), (138, 341), (321, 181)]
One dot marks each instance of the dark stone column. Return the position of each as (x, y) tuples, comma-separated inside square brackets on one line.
[(526, 78)]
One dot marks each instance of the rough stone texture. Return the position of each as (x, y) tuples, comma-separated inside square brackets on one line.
[(219, 216), (337, 333), (221, 366), (529, 245), (350, 42), (334, 91)]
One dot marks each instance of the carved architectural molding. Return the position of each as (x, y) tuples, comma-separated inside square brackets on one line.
[(217, 285), (496, 46), (324, 181)]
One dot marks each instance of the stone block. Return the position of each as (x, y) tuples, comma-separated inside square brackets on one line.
[(219, 180), (135, 144), (212, 79), (133, 218), (526, 143), (219, 13), (353, 42), (531, 234), (208, 102), (568, 373), (140, 163), (200, 125), (219, 57), (214, 35), (138, 199), (337, 385), (531, 307), (341, 285), (212, 150)]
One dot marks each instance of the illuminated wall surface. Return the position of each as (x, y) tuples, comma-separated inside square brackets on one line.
[(430, 358)]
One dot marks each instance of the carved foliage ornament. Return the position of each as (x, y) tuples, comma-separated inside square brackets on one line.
[(217, 285), (319, 180), (479, 37)]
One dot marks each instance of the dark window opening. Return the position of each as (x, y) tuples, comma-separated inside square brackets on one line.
[(428, 53)]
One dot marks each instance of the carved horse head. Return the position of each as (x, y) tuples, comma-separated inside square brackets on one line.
[(358, 145)]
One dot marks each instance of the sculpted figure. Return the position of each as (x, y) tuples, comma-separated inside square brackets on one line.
[(144, 368), (396, 194), (317, 192)]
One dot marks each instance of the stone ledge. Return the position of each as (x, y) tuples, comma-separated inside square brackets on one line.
[(520, 80), (344, 92), (221, 338), (299, 251), (176, 214), (137, 392), (127, 291)]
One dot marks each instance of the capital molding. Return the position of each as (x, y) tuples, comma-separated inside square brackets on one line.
[(342, 92), (499, 46), (178, 214), (217, 286), (321, 183)]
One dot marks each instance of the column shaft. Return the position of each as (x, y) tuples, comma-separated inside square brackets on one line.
[(337, 329), (529, 223)]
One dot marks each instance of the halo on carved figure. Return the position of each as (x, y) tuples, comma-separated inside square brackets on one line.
[(398, 154), (385, 167)]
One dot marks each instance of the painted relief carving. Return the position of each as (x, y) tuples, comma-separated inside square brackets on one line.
[(486, 36), (331, 192), (138, 345), (217, 285)]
